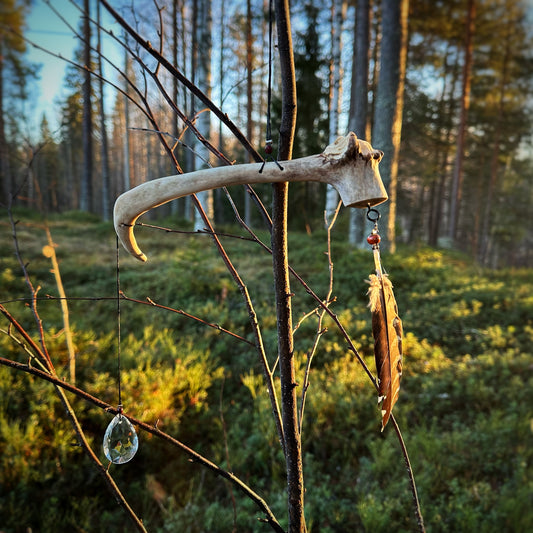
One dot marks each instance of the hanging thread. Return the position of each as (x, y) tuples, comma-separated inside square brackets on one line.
[(268, 145), (268, 142), (119, 333), (120, 439)]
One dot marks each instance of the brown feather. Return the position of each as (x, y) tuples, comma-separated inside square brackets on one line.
[(387, 332)]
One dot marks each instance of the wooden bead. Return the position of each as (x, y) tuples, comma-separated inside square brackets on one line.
[(373, 239)]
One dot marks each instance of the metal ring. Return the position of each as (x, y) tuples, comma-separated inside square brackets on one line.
[(375, 211)]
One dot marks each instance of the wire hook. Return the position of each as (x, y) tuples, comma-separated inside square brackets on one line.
[(371, 211)]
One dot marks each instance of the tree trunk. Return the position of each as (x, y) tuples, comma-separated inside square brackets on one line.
[(174, 209), (358, 115), (437, 213), (386, 134), (126, 139), (106, 188), (203, 28), (293, 449), (5, 175), (484, 239), (86, 196), (457, 179), (338, 9)]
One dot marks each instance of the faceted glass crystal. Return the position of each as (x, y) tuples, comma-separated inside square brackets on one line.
[(120, 440)]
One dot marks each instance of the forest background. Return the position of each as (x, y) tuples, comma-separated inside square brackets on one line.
[(462, 185)]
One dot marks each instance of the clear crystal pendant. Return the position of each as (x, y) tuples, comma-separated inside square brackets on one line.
[(120, 440)]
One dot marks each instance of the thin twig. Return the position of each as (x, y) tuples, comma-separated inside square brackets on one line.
[(410, 474), (226, 451), (151, 303), (43, 352), (320, 330), (186, 82), (23, 346), (51, 373), (195, 232), (325, 306), (150, 428), (82, 439)]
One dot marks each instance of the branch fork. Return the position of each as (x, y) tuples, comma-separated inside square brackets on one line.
[(349, 164)]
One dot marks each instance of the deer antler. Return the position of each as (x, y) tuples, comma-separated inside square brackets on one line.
[(349, 164)]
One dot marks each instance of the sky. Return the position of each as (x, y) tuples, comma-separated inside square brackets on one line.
[(48, 31)]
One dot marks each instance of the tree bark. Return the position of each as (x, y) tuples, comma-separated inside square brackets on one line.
[(338, 8), (484, 239), (437, 202), (5, 175), (86, 195), (293, 449), (126, 139), (457, 179), (386, 134), (357, 119), (204, 27), (175, 127), (106, 187)]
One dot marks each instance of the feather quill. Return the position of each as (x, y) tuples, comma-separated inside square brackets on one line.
[(387, 331)]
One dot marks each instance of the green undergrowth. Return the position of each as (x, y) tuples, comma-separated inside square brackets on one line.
[(465, 405)]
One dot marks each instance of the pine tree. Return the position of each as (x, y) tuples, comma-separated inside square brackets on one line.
[(86, 193), (386, 131), (358, 115), (12, 66), (312, 134)]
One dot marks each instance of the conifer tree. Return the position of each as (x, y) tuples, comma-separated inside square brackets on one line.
[(12, 65)]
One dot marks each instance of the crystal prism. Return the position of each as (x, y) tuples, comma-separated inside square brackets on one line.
[(120, 440)]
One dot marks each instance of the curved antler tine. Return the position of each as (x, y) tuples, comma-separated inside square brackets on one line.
[(350, 165)]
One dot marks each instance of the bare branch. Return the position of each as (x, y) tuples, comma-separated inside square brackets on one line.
[(319, 329), (150, 428), (151, 303), (185, 81)]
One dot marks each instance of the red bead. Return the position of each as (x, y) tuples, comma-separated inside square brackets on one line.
[(373, 239), (268, 149)]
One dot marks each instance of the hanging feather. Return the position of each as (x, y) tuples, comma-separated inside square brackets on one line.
[(387, 332)]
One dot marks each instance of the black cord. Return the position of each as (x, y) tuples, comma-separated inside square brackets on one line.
[(268, 141), (269, 87)]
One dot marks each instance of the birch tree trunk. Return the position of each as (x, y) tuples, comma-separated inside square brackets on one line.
[(386, 133), (175, 129), (204, 42), (357, 119), (106, 187), (338, 11), (457, 179)]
